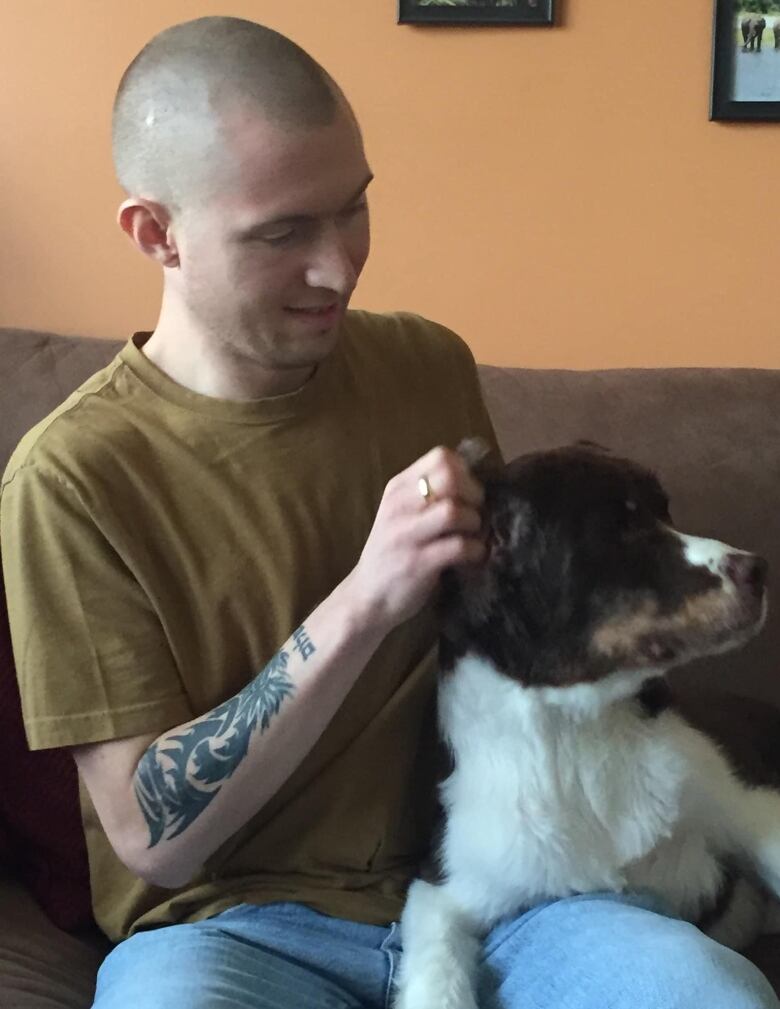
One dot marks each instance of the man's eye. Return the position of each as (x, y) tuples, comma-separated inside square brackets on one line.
[(279, 238)]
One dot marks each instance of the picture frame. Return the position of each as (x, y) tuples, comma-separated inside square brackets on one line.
[(477, 12), (745, 62)]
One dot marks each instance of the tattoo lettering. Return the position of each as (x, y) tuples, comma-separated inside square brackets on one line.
[(303, 643), (177, 778)]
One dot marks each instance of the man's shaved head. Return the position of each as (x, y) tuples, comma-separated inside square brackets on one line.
[(167, 123)]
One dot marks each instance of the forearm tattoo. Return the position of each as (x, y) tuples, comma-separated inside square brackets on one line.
[(179, 776)]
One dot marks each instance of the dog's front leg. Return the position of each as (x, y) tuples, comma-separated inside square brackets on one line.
[(739, 817), (759, 833), (440, 950)]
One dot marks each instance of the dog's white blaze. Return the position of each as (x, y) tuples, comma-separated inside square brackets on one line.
[(704, 553), (712, 554)]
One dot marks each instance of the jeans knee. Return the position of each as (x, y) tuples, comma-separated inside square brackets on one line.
[(701, 972), (593, 951)]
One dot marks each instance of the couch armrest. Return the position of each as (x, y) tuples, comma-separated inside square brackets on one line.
[(42, 967)]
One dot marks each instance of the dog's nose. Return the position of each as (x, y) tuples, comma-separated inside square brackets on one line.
[(747, 571)]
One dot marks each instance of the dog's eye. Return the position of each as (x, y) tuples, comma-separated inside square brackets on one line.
[(631, 512), (644, 513), (634, 515)]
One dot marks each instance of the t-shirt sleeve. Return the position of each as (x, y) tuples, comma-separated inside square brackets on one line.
[(91, 655)]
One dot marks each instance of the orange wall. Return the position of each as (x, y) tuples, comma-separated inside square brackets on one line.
[(556, 195)]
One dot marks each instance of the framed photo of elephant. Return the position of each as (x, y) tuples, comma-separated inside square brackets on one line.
[(476, 12), (746, 60)]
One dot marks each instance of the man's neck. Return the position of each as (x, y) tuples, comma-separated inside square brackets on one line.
[(193, 362)]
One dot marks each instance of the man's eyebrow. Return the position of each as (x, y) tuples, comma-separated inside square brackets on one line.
[(274, 222)]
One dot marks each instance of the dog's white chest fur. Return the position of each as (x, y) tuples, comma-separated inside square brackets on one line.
[(547, 800)]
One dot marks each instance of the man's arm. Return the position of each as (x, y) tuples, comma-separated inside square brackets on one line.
[(168, 802)]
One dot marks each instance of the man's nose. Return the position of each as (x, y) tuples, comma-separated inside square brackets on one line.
[(331, 266)]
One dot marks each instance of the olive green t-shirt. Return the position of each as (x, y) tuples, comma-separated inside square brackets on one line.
[(159, 546)]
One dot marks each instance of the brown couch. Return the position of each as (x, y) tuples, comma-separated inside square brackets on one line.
[(713, 435)]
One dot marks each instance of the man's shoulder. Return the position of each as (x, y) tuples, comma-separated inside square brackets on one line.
[(81, 420), (405, 337)]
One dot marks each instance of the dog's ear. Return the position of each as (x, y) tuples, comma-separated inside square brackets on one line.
[(509, 520), (479, 458), (586, 443)]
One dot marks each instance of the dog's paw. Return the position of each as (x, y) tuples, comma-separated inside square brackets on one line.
[(431, 993), (427, 1000)]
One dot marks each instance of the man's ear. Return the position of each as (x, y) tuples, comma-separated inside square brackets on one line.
[(148, 225)]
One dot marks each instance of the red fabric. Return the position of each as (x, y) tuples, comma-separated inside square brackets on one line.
[(40, 820), (7, 849)]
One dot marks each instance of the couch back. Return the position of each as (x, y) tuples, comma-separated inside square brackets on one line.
[(712, 435)]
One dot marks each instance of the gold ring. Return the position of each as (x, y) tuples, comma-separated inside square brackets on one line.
[(424, 488)]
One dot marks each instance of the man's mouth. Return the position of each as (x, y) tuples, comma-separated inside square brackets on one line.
[(322, 318), (315, 311)]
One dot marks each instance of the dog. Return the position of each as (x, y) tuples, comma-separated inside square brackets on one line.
[(570, 769)]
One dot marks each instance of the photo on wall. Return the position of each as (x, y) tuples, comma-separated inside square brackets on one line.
[(746, 61), (476, 12)]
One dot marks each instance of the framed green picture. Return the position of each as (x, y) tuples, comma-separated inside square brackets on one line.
[(476, 12)]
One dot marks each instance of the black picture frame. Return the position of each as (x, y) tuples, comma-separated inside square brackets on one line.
[(738, 63), (476, 12)]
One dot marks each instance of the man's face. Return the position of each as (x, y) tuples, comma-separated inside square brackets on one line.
[(269, 260)]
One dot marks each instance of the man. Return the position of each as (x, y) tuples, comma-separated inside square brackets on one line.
[(254, 486)]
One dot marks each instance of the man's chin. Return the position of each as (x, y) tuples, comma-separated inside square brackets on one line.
[(297, 350)]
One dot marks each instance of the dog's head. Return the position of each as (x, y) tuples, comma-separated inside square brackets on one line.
[(586, 576)]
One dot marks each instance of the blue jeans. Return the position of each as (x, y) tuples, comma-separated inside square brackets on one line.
[(596, 951)]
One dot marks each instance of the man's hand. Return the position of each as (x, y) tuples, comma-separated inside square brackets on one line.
[(414, 538)]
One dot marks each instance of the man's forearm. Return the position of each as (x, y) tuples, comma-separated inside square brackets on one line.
[(181, 773), (200, 782)]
